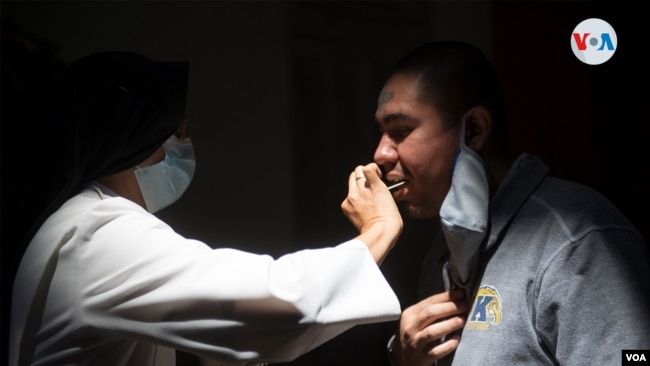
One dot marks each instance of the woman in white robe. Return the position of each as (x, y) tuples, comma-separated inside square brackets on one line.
[(102, 281)]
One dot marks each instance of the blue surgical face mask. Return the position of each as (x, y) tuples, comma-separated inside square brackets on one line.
[(163, 183), (464, 212)]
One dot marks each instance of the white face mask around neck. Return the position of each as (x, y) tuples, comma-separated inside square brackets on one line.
[(464, 212)]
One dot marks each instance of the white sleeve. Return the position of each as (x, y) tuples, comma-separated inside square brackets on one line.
[(143, 281)]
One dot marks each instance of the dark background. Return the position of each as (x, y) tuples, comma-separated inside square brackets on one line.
[(282, 97)]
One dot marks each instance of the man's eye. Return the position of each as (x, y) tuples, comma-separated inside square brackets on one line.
[(400, 133)]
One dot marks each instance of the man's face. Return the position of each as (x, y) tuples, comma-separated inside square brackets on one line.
[(415, 146)]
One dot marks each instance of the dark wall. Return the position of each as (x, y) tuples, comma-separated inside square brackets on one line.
[(586, 122)]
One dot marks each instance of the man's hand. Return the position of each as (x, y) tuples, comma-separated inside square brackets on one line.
[(423, 325)]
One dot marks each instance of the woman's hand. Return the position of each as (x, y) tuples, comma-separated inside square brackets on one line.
[(372, 210)]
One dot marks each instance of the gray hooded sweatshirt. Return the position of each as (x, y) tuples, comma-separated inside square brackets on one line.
[(563, 277)]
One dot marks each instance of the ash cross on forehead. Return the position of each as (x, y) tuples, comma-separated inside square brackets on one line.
[(384, 97)]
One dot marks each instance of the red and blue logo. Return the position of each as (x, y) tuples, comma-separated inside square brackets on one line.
[(593, 41)]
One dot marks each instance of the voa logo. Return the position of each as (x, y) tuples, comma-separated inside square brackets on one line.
[(593, 41), (635, 357)]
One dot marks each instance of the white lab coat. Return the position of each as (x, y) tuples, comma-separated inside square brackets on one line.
[(104, 282)]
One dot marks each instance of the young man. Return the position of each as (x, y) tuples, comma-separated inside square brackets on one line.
[(552, 272)]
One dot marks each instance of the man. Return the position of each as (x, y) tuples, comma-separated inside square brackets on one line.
[(555, 273)]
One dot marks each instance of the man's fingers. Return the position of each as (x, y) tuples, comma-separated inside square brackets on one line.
[(434, 332), (434, 308), (443, 349), (426, 346), (436, 312)]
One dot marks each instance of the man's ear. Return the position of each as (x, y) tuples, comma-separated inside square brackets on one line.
[(478, 125)]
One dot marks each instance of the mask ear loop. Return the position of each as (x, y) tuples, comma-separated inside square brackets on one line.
[(463, 131), (463, 123), (463, 145)]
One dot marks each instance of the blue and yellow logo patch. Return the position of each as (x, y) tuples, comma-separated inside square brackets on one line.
[(486, 310)]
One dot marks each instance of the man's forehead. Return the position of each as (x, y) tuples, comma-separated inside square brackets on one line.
[(397, 107), (401, 111), (404, 86), (400, 92)]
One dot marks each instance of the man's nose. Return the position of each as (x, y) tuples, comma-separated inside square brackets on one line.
[(386, 152)]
